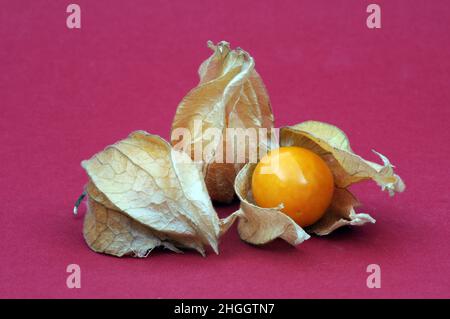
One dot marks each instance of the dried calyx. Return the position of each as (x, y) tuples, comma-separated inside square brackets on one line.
[(230, 95), (259, 225), (143, 194)]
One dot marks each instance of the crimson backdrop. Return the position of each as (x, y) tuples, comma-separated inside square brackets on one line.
[(66, 94)]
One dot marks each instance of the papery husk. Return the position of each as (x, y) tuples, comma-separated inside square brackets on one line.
[(340, 213), (259, 225), (110, 231), (231, 94), (143, 194), (333, 146)]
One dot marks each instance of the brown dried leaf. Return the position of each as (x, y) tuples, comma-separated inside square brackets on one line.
[(152, 194), (230, 94), (259, 225)]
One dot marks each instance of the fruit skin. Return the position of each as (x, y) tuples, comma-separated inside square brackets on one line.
[(297, 178)]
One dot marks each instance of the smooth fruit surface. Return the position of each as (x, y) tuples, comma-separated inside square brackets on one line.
[(297, 178)]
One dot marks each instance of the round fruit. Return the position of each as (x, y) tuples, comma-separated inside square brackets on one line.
[(297, 178)]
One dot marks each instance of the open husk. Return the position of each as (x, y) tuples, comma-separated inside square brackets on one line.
[(259, 225), (142, 194), (230, 94)]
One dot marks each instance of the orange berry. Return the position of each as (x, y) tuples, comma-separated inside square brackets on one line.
[(297, 178)]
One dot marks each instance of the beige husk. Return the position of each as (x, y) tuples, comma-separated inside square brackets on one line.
[(333, 145), (110, 231), (231, 94), (259, 225), (144, 194)]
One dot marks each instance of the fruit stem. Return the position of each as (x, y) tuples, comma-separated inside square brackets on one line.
[(78, 202)]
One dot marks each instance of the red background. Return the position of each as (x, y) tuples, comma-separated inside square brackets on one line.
[(66, 94)]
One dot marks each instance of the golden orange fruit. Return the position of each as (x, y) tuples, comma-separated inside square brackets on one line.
[(297, 178)]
